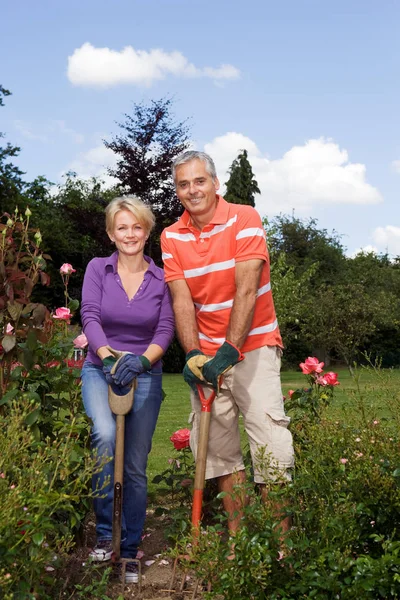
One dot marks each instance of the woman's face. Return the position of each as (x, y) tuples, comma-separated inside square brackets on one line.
[(128, 234)]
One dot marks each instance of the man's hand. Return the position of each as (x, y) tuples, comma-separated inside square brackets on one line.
[(226, 357), (108, 364), (192, 371), (128, 367)]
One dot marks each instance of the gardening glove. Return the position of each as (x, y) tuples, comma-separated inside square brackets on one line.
[(192, 371), (226, 357), (108, 365), (128, 367)]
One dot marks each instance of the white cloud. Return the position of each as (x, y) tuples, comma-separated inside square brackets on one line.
[(388, 239), (94, 163), (368, 249), (61, 127), (48, 131), (104, 67), (26, 131), (396, 165), (316, 173)]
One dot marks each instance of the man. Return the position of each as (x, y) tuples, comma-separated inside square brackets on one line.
[(216, 264)]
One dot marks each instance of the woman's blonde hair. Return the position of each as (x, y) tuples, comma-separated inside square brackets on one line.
[(141, 211)]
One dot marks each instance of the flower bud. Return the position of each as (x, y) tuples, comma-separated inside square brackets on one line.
[(38, 237), (10, 222), (28, 213)]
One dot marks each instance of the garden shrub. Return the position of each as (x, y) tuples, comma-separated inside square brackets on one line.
[(45, 461), (44, 492), (344, 500)]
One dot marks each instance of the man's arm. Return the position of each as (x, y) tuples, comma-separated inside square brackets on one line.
[(185, 316), (247, 278)]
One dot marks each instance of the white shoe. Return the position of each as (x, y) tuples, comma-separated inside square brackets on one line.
[(102, 551)]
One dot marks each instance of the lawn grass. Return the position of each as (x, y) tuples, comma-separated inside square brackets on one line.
[(175, 409)]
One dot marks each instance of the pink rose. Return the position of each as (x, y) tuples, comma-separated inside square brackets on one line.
[(62, 313), (311, 365), (9, 329), (328, 379), (180, 439), (290, 393), (81, 341), (344, 461), (67, 269)]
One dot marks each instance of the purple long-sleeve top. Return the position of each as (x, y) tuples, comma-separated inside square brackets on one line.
[(110, 318)]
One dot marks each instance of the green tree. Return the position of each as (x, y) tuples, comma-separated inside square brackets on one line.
[(304, 244), (150, 141), (72, 224), (343, 318), (241, 186), (11, 183)]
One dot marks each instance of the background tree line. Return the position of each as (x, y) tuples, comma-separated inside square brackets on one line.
[(328, 304)]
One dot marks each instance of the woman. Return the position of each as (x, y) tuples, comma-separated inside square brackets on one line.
[(125, 306)]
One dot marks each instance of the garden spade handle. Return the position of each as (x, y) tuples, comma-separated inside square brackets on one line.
[(120, 406), (205, 417)]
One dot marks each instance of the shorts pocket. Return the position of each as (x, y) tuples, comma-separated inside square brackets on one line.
[(281, 441)]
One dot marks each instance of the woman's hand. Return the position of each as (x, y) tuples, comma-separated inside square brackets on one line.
[(128, 367)]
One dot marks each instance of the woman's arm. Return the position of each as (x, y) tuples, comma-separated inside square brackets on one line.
[(91, 309)]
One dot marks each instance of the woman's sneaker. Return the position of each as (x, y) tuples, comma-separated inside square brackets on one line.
[(131, 573), (102, 551)]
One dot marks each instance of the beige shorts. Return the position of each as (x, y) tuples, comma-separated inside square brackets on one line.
[(251, 388)]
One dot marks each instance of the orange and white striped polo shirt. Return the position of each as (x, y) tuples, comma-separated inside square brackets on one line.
[(206, 260)]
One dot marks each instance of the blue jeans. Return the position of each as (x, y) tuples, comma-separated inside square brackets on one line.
[(139, 428)]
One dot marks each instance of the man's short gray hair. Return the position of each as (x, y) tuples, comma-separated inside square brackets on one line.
[(190, 155)]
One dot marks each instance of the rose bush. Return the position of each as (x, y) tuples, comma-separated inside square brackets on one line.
[(62, 313), (81, 341), (45, 461), (180, 439), (344, 502), (67, 269), (311, 365)]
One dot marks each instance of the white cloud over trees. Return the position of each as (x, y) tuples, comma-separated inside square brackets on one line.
[(316, 173), (104, 67), (388, 239)]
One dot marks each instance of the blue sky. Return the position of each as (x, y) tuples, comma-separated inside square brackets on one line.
[(309, 88)]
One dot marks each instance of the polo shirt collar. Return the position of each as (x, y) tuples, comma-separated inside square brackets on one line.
[(112, 261), (221, 215)]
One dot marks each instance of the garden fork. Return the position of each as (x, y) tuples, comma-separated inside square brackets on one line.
[(120, 406)]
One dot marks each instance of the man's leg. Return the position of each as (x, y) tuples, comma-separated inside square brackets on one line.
[(234, 498), (278, 510), (256, 388)]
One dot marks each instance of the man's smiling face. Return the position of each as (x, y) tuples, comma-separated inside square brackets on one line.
[(197, 191)]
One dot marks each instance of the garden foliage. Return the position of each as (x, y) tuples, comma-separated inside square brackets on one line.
[(45, 463), (344, 500)]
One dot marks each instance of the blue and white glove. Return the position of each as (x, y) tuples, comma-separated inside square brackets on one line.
[(108, 364), (128, 367)]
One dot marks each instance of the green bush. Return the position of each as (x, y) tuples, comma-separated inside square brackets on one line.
[(44, 492), (344, 500)]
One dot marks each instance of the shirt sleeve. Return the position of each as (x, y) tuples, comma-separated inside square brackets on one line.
[(166, 323), (250, 236), (172, 268), (91, 305)]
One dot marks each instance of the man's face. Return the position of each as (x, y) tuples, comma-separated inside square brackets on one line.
[(197, 190)]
